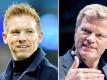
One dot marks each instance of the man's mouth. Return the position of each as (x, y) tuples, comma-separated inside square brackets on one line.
[(89, 46), (22, 46), (85, 45)]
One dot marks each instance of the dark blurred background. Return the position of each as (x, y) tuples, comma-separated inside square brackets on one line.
[(68, 11), (48, 12)]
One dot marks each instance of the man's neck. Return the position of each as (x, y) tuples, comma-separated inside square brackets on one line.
[(92, 64)]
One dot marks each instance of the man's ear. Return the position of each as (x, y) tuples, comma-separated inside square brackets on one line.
[(4, 35), (40, 35)]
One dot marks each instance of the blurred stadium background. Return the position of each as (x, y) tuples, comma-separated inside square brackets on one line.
[(48, 12)]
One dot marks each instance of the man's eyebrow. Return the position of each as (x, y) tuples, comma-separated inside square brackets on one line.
[(84, 27), (29, 29), (15, 29)]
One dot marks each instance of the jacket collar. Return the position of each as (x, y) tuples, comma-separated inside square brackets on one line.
[(37, 60), (103, 66), (67, 59)]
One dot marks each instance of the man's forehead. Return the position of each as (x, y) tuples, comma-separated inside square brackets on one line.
[(21, 28), (94, 18), (98, 27), (20, 22)]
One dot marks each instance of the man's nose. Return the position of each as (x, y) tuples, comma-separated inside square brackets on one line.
[(91, 38), (22, 38)]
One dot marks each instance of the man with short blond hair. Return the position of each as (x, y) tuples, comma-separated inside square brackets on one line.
[(23, 35)]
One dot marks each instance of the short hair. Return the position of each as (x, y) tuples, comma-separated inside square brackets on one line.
[(20, 9), (93, 10)]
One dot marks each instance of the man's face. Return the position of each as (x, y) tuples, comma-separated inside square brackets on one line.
[(91, 38), (22, 36)]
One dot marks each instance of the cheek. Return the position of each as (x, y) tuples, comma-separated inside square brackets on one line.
[(11, 43), (11, 40), (77, 41), (101, 46), (105, 44), (79, 38), (15, 38), (34, 41), (34, 44)]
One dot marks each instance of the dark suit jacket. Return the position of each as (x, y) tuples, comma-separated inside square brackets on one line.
[(67, 60), (39, 69)]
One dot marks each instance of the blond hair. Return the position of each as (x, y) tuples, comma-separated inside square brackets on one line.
[(93, 10), (20, 9)]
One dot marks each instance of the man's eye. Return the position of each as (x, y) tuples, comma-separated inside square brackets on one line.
[(100, 36), (29, 31), (86, 30), (15, 33)]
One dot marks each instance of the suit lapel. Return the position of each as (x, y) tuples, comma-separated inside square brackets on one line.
[(8, 73), (105, 70), (67, 61), (33, 67), (103, 67)]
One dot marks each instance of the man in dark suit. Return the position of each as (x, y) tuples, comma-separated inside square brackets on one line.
[(22, 34), (85, 62)]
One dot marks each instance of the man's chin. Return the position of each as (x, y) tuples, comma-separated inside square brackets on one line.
[(84, 53), (20, 56), (87, 54)]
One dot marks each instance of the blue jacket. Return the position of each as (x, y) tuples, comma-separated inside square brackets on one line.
[(39, 69), (67, 60)]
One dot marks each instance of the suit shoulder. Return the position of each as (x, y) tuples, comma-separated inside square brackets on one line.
[(48, 70)]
